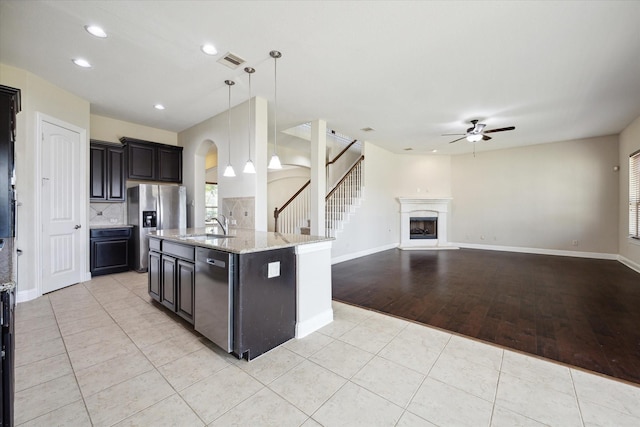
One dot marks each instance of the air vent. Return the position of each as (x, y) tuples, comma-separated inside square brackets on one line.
[(367, 129), (232, 61)]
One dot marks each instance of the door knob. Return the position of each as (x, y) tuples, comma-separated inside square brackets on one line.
[(77, 226)]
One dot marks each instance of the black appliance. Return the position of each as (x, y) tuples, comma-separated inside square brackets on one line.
[(7, 345), (9, 107)]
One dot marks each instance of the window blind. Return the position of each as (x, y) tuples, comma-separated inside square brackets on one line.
[(634, 194)]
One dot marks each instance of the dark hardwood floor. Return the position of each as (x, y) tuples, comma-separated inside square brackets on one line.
[(582, 312)]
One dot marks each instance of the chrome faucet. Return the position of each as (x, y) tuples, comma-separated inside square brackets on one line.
[(225, 226)]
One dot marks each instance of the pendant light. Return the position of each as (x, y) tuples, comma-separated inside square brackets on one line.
[(249, 167), (229, 172), (274, 163)]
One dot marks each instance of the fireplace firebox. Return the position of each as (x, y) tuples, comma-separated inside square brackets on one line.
[(423, 227)]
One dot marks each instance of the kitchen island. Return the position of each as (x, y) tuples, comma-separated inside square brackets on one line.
[(247, 291)]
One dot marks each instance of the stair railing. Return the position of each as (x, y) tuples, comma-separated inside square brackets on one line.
[(296, 215), (341, 197)]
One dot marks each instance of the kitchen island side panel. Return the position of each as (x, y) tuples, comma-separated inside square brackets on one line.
[(265, 301)]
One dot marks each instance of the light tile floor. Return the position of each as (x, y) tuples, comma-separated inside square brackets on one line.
[(99, 353)]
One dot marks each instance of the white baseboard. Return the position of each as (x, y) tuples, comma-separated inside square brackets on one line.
[(355, 255), (631, 264), (316, 322), (578, 254), (28, 295)]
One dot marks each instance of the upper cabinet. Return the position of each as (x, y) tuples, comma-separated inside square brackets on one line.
[(150, 161), (107, 179)]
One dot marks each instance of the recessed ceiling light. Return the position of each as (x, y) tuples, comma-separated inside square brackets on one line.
[(408, 149), (82, 63), (209, 49), (434, 151), (94, 30), (159, 107), (367, 129)]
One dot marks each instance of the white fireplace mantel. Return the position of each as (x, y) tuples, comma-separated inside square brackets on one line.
[(423, 207)]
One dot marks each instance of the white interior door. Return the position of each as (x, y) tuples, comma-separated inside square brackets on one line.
[(62, 237)]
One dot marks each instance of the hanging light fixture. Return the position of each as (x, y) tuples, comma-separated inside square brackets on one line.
[(474, 137), (249, 167), (229, 172), (274, 163)]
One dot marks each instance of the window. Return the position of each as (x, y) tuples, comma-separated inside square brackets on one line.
[(210, 201), (634, 194)]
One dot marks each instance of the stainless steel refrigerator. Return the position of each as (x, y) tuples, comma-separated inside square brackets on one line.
[(154, 207)]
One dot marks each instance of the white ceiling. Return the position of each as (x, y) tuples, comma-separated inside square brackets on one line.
[(410, 70)]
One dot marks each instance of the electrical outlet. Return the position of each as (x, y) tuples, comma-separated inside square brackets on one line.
[(273, 269), (481, 237), (574, 243)]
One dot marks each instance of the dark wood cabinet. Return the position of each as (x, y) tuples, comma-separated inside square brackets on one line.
[(154, 275), (186, 275), (172, 276), (109, 250), (9, 107), (106, 176), (150, 161), (170, 164), (168, 284)]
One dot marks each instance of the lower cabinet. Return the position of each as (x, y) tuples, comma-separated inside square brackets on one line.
[(172, 276), (186, 275), (109, 250), (154, 275)]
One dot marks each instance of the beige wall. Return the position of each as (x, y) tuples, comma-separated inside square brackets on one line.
[(111, 130), (197, 141), (542, 197), (376, 223), (38, 96), (629, 143)]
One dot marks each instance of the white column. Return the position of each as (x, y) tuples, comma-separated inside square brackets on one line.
[(318, 177), (313, 286), (260, 159)]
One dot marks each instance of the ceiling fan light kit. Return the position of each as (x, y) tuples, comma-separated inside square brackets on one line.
[(476, 132)]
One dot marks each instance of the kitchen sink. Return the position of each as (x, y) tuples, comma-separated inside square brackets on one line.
[(206, 236)]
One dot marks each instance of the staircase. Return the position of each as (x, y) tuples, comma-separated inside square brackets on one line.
[(344, 198), (340, 203)]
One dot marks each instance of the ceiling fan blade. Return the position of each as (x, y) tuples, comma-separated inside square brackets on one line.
[(456, 140), (485, 137), (500, 130)]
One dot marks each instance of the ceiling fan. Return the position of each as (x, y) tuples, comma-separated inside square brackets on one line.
[(476, 132)]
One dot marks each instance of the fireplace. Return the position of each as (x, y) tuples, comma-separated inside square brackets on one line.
[(423, 227), (423, 223)]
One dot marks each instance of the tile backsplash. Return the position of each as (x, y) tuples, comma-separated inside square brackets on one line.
[(240, 209), (107, 214)]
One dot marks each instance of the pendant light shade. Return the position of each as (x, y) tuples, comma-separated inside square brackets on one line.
[(229, 172), (274, 163), (249, 167)]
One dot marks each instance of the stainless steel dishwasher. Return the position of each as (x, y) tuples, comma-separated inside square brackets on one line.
[(213, 316)]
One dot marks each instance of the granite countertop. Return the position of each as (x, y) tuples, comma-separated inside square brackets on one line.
[(103, 226), (240, 241), (8, 265)]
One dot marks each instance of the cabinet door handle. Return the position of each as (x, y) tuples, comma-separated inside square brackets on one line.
[(77, 226)]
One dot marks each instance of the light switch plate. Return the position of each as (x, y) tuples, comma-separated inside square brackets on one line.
[(273, 270)]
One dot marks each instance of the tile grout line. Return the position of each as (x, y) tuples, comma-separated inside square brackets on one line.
[(154, 367)]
